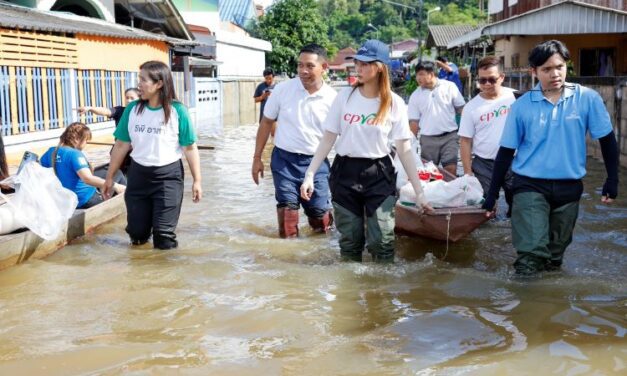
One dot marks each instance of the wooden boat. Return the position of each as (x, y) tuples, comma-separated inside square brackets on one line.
[(24, 245), (445, 223), (451, 223)]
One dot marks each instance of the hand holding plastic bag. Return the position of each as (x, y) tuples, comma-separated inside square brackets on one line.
[(40, 201)]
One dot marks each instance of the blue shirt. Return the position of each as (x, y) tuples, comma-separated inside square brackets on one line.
[(452, 76), (69, 161), (550, 140)]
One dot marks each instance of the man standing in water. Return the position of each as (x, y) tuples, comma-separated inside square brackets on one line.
[(431, 109), (546, 128), (482, 123), (299, 106), (264, 89)]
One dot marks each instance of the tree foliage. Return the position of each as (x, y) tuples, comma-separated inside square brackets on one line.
[(289, 25), (336, 24)]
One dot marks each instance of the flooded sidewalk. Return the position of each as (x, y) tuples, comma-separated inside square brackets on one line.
[(234, 299)]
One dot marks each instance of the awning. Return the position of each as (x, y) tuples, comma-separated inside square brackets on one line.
[(567, 17), (470, 37)]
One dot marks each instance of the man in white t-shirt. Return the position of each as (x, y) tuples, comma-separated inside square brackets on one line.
[(482, 124), (431, 109), (299, 106)]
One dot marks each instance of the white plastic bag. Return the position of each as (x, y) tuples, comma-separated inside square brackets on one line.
[(8, 220), (463, 191), (474, 191), (40, 201)]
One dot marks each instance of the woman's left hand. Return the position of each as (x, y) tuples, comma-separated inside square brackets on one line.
[(196, 191), (423, 204)]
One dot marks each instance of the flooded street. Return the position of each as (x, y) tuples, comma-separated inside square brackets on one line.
[(234, 299)]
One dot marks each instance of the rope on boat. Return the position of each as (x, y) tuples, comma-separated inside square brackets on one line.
[(448, 229)]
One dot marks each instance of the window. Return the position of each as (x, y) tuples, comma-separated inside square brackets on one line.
[(516, 60), (597, 62)]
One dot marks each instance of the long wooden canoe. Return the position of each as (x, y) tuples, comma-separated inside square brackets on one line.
[(24, 245), (445, 223)]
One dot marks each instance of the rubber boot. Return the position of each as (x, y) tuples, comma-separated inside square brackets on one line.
[(288, 222), (322, 224)]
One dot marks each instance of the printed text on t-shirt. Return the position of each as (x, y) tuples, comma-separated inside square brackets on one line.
[(360, 119), (143, 128), (501, 111)]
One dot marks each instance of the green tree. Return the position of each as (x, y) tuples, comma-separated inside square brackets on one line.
[(289, 25)]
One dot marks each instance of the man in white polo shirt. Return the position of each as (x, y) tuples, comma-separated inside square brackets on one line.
[(299, 106), (431, 109), (482, 123)]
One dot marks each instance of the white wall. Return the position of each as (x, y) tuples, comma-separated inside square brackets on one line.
[(210, 20), (239, 61), (240, 55)]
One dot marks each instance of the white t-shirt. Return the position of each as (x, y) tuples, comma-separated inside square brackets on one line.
[(434, 109), (483, 120), (352, 116), (156, 143), (299, 115)]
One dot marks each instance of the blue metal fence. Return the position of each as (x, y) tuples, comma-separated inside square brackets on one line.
[(45, 98), (5, 104)]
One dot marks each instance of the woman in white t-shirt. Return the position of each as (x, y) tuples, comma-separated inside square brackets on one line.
[(159, 130), (365, 119)]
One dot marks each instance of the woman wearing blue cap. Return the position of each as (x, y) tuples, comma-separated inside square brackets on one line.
[(365, 119)]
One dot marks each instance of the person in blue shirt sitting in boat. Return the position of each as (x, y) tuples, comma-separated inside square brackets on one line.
[(72, 168)]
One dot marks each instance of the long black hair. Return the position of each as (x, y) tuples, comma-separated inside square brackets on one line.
[(159, 71)]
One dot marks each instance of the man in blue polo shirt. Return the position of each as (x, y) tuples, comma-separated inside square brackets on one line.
[(547, 129)]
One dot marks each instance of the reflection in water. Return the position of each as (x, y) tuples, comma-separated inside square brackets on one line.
[(236, 300)]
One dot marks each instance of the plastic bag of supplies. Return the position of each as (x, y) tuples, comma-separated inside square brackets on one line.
[(40, 202), (463, 191)]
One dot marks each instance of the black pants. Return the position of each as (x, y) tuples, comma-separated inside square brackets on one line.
[(153, 203)]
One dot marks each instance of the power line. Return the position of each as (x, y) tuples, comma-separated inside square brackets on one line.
[(399, 4)]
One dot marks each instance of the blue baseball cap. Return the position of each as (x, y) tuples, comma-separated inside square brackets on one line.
[(373, 50)]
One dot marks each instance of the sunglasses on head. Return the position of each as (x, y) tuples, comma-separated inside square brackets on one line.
[(484, 80)]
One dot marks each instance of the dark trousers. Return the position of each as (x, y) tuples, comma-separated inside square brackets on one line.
[(364, 192), (543, 218), (153, 203), (482, 169)]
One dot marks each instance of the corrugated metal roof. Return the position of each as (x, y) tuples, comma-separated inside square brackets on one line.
[(568, 17), (237, 11), (162, 12), (472, 36), (17, 17), (441, 35)]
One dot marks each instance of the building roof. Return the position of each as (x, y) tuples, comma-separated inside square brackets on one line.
[(441, 35), (162, 13), (340, 57), (238, 12), (18, 17), (567, 17)]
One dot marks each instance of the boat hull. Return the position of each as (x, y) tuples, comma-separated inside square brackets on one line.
[(463, 220), (19, 247)]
